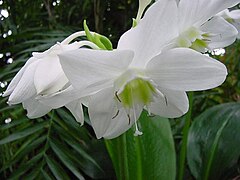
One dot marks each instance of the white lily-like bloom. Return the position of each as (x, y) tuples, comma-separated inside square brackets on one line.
[(232, 17), (138, 76), (41, 76), (199, 28)]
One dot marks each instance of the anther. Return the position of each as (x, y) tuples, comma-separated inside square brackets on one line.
[(129, 120), (117, 97), (166, 101), (115, 115)]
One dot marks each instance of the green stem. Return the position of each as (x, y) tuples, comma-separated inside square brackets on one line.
[(183, 150)]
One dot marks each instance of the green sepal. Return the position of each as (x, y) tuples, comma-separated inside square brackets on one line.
[(134, 22), (101, 41)]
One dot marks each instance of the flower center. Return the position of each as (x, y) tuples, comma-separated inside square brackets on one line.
[(132, 87), (134, 90), (193, 38), (137, 91)]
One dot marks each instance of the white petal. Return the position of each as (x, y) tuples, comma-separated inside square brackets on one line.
[(75, 108), (106, 119), (86, 67), (223, 32), (35, 109), (157, 28), (235, 14), (173, 105), (25, 89), (49, 76), (184, 69), (61, 98), (196, 12), (120, 124), (17, 77)]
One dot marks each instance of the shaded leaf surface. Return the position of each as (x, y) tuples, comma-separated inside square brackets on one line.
[(150, 156), (212, 141)]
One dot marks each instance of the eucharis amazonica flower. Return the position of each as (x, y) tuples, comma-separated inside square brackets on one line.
[(137, 75), (42, 76), (199, 28), (232, 17)]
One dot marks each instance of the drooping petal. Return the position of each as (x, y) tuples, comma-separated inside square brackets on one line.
[(183, 69), (75, 107), (86, 67), (61, 98), (17, 77), (223, 33), (107, 120), (25, 88), (35, 109), (157, 28), (49, 76), (196, 12), (174, 104)]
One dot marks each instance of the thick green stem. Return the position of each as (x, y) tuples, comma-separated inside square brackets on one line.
[(183, 150)]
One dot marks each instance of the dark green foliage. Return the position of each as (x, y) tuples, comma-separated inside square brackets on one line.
[(213, 143)]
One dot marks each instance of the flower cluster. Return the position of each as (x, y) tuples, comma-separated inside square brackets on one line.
[(155, 63)]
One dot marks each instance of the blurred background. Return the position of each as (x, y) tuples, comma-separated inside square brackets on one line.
[(55, 146)]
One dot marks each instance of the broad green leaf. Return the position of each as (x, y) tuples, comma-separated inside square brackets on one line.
[(150, 156), (213, 142)]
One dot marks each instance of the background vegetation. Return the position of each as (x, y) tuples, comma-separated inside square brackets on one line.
[(56, 147)]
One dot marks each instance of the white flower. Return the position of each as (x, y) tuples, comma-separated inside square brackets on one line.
[(42, 76), (198, 27), (135, 76), (232, 17)]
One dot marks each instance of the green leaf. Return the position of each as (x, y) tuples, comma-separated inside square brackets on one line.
[(56, 169), (150, 156), (45, 175), (63, 156), (26, 166), (212, 141), (23, 150), (23, 133)]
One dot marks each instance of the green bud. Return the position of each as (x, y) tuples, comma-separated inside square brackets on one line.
[(101, 41)]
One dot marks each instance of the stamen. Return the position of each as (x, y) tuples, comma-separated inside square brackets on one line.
[(166, 101), (117, 97), (137, 132), (115, 114), (129, 120), (149, 111)]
